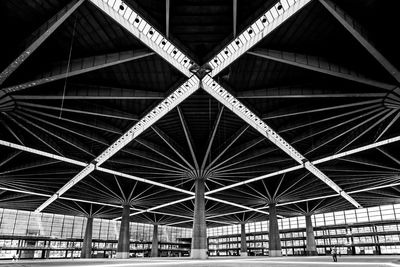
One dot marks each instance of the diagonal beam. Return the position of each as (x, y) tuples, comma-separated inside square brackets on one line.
[(147, 121), (80, 66), (107, 112), (302, 92), (161, 151), (253, 120), (9, 158), (335, 195), (356, 30), (172, 144), (130, 20), (211, 139), (262, 27), (83, 164), (40, 36), (320, 65), (228, 143), (326, 159), (83, 201), (167, 8), (90, 92), (234, 17), (188, 136)]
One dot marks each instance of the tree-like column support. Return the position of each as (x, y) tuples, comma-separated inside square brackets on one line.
[(199, 234), (274, 238), (311, 247), (154, 244), (86, 251), (243, 244), (124, 235)]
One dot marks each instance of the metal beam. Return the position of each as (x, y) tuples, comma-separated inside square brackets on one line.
[(167, 8), (188, 136), (40, 35), (130, 20), (83, 164), (211, 139), (326, 159), (227, 144), (147, 121), (80, 66), (262, 27), (115, 114), (234, 17), (82, 200), (356, 30), (319, 65), (214, 89), (84, 93), (335, 195), (303, 92), (172, 144)]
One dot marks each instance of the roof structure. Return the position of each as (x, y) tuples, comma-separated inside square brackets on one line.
[(103, 102)]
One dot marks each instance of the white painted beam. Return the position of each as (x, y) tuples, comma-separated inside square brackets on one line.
[(261, 28), (146, 33), (146, 122), (231, 102), (326, 159)]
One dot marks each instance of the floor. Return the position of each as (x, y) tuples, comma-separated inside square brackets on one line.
[(344, 261)]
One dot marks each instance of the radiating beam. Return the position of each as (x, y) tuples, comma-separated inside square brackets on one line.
[(262, 27), (172, 144), (83, 164), (355, 29), (335, 195), (167, 8), (228, 143), (115, 114), (9, 158), (303, 92), (219, 93), (80, 66), (187, 136), (286, 114), (130, 20), (234, 17), (90, 92), (147, 121), (326, 159), (238, 205), (83, 201), (159, 207), (319, 65), (40, 36), (211, 138)]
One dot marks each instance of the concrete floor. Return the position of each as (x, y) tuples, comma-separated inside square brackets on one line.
[(344, 261)]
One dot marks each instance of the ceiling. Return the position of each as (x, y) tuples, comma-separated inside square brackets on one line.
[(310, 80)]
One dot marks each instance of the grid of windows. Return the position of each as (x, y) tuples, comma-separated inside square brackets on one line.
[(366, 231), (361, 231)]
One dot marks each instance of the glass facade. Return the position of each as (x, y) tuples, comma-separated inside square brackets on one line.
[(374, 230), (44, 235)]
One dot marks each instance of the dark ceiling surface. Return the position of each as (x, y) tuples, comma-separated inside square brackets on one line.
[(318, 113)]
